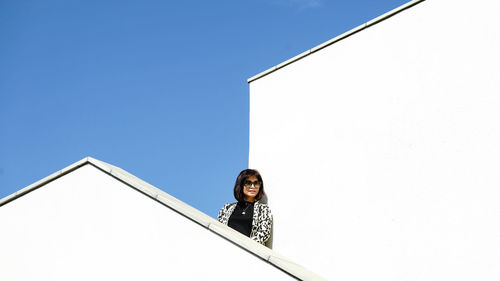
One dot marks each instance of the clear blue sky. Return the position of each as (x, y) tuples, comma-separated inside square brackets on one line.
[(157, 88)]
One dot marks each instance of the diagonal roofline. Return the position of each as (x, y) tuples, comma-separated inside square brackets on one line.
[(180, 207), (336, 39)]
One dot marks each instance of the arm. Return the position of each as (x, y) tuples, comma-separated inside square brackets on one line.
[(221, 213), (264, 225), (224, 213)]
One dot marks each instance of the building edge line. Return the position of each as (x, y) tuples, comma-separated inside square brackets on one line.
[(268, 255), (336, 39)]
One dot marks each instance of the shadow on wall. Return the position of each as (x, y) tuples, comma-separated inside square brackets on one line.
[(269, 242)]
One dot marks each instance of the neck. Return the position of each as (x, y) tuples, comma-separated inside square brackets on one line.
[(249, 200)]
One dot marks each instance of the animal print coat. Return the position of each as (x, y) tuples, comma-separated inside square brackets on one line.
[(261, 223)]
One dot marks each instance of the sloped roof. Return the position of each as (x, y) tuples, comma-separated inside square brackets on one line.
[(336, 39), (182, 208)]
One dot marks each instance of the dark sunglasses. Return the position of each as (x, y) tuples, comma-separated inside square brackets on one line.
[(249, 183)]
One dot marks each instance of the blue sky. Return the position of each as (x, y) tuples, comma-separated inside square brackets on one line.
[(157, 88)]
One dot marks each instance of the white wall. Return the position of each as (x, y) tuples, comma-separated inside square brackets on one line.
[(381, 152), (87, 225)]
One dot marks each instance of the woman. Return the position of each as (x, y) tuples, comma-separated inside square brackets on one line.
[(248, 216)]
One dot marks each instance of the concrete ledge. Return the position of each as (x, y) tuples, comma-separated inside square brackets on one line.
[(266, 254)]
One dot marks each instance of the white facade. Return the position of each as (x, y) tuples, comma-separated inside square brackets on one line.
[(94, 221), (380, 149)]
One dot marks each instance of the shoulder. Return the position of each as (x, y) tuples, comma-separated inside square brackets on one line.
[(228, 205), (263, 207), (225, 212)]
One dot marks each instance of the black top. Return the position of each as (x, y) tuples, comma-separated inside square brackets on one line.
[(241, 218)]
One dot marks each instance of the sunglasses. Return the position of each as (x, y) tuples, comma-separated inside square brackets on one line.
[(250, 183)]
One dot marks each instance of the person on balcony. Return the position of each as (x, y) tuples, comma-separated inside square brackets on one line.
[(248, 216)]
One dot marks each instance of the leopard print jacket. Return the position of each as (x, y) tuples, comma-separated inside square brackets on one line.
[(261, 223)]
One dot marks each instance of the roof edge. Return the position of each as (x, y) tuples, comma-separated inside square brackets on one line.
[(182, 208), (43, 181), (208, 222), (336, 39)]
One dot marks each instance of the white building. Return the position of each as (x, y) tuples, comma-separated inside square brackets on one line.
[(94, 221), (381, 154), (381, 148)]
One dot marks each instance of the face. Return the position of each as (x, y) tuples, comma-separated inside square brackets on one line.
[(251, 188)]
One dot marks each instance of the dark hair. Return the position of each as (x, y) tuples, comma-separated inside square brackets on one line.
[(240, 180)]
